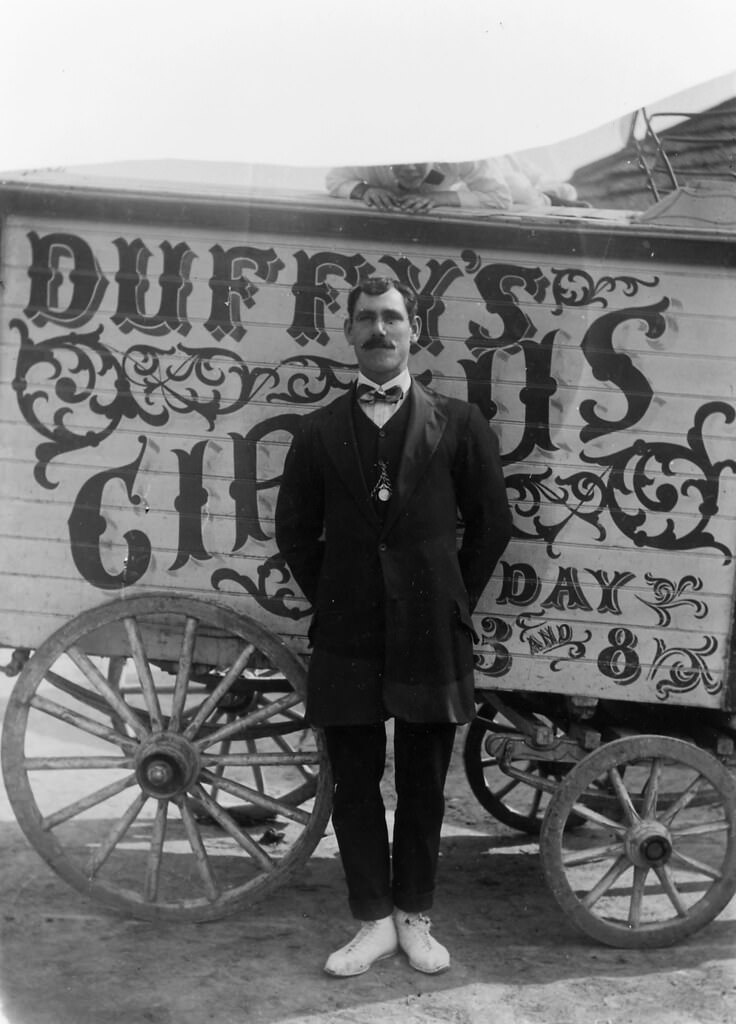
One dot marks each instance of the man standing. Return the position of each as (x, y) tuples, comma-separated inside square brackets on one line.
[(367, 522)]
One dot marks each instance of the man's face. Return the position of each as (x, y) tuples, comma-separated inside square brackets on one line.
[(410, 176), (381, 334)]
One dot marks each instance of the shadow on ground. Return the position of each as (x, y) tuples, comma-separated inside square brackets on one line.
[(68, 961)]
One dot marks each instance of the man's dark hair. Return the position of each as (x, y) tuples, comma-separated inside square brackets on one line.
[(379, 285)]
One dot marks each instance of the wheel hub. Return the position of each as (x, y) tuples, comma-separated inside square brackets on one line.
[(166, 765), (649, 844)]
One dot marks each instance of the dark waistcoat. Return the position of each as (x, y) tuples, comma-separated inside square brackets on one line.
[(380, 444)]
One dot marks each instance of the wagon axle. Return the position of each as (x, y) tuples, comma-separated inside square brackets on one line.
[(648, 844), (166, 765)]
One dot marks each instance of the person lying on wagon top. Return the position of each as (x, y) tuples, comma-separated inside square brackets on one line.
[(478, 184), (366, 519), (527, 182)]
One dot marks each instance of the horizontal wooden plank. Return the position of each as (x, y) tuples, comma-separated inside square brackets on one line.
[(593, 237), (32, 609)]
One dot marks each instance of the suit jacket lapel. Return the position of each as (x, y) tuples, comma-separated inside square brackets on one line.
[(423, 434)]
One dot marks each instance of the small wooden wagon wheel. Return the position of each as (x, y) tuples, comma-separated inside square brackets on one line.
[(512, 801), (658, 861), (179, 787)]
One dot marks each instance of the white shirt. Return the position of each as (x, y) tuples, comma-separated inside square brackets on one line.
[(496, 183), (478, 183), (381, 412)]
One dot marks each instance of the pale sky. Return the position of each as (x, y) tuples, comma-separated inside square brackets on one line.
[(326, 82)]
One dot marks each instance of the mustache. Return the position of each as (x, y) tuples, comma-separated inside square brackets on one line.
[(378, 343)]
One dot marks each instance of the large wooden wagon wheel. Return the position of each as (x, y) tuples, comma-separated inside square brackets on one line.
[(654, 861), (181, 786)]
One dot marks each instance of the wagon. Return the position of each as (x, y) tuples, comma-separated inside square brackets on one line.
[(158, 345)]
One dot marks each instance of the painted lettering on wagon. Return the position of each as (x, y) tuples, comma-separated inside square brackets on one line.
[(212, 379), (674, 668)]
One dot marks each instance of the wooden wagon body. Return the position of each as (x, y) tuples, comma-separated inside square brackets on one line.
[(157, 348)]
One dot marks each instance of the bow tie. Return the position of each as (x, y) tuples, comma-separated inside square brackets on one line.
[(368, 395)]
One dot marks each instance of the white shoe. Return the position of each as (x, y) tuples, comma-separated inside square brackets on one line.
[(375, 941), (425, 953)]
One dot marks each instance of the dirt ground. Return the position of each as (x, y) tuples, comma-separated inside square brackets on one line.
[(515, 957)]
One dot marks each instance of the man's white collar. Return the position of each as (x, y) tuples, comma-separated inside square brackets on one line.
[(403, 380)]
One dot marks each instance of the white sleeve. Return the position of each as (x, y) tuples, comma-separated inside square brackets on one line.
[(483, 185), (341, 181)]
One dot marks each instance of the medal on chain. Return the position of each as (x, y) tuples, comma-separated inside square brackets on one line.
[(383, 489)]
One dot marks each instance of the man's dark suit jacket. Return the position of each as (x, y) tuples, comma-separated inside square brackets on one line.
[(392, 633)]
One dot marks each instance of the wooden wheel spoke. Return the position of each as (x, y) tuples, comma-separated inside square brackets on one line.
[(704, 829), (298, 758), (623, 796), (685, 798), (651, 790), (292, 721), (184, 671), (260, 799), (606, 881), (591, 855), (257, 769), (88, 725), (115, 668), (219, 765), (116, 833), (198, 850), (145, 676), (583, 811), (246, 722), (155, 853), (86, 802), (698, 866), (292, 716), (83, 763), (507, 788), (225, 821), (90, 698), (116, 702), (664, 874), (223, 687), (297, 796), (264, 702), (637, 896)]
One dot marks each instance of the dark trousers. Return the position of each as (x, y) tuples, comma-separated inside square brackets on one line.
[(379, 879)]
